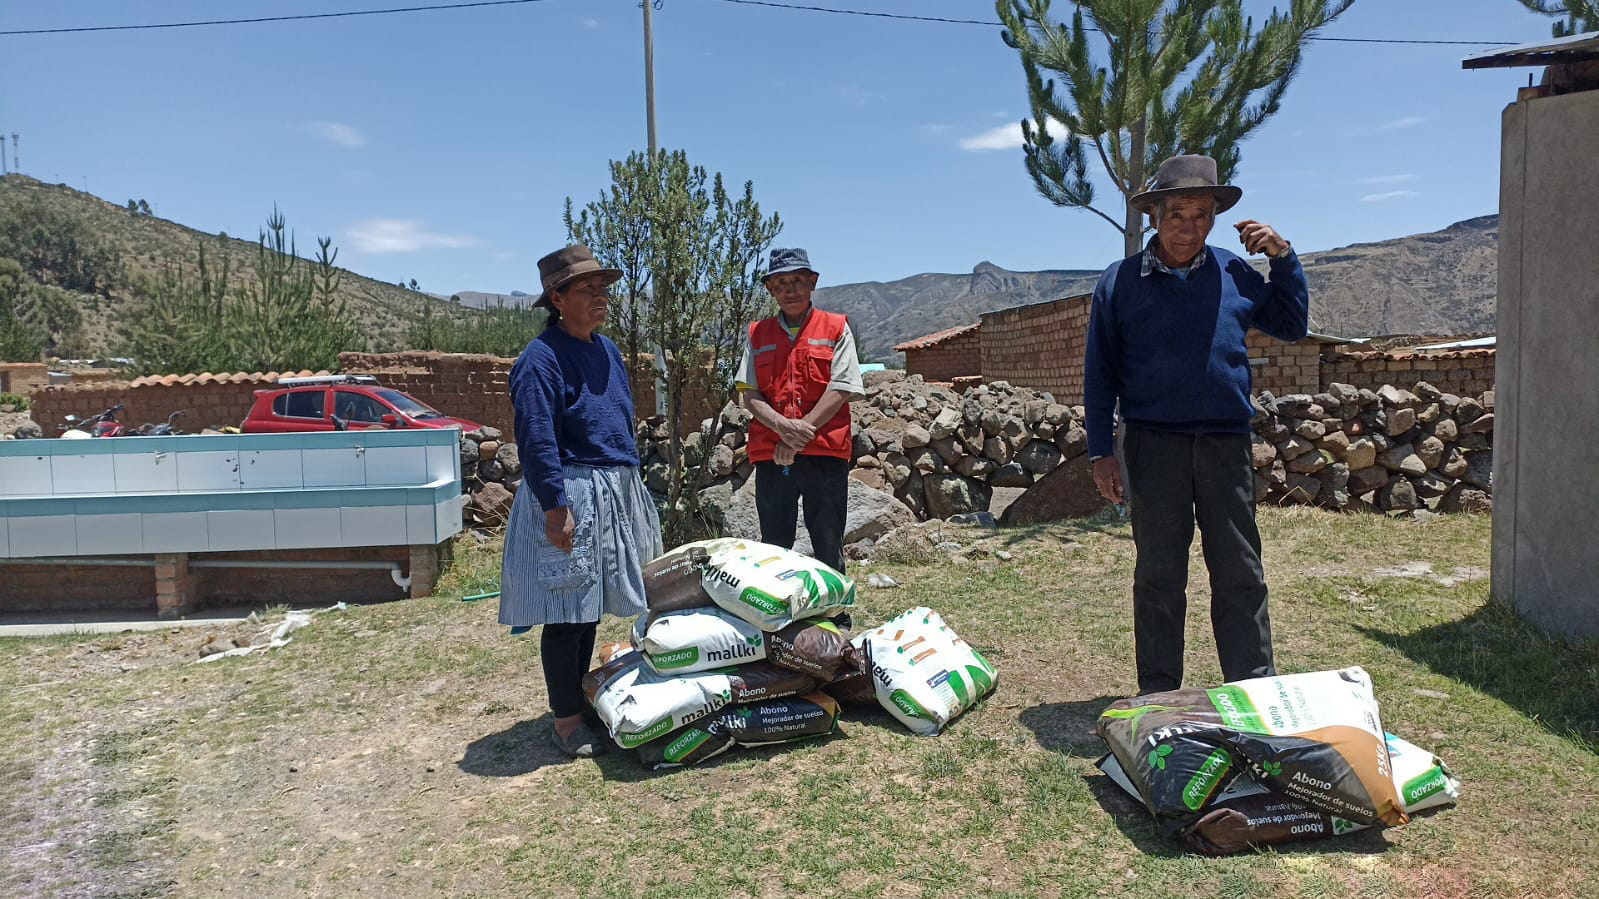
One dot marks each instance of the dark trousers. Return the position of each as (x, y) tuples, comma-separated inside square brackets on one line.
[(823, 482), (1174, 480), (566, 650)]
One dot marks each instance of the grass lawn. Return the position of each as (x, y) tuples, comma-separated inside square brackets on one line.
[(402, 749)]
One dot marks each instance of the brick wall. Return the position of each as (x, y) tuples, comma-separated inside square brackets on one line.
[(210, 402), (32, 588), (955, 357), (1282, 367), (23, 378), (1461, 372), (1039, 346)]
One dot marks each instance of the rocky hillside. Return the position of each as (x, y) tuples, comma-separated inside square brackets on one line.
[(1438, 283)]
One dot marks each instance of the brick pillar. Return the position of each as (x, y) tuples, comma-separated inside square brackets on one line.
[(174, 585), (424, 569)]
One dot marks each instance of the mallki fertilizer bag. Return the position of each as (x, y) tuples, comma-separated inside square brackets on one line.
[(609, 652), (674, 580), (769, 586), (854, 684), (639, 705), (1246, 814), (1315, 738), (700, 639), (750, 724), (923, 673), (763, 680), (815, 647)]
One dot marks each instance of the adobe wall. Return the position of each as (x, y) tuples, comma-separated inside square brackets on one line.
[(960, 356)]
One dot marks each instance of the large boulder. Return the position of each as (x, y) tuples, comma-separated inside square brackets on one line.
[(1039, 457), (872, 513), (1067, 492), (489, 504), (510, 460)]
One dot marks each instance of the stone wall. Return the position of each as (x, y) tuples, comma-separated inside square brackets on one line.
[(943, 453)]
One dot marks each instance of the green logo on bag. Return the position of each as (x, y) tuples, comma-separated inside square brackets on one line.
[(762, 602), (1157, 756), (677, 658), (754, 641), (1205, 780), (1236, 711), (1275, 769), (1426, 785), (658, 729), (908, 705), (680, 748)]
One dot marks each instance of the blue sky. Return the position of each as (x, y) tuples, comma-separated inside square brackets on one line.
[(440, 145)]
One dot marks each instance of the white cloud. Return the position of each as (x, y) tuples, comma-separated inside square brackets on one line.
[(1409, 121), (1390, 195), (589, 23), (338, 133), (859, 96), (1005, 137), (402, 236), (1386, 179)]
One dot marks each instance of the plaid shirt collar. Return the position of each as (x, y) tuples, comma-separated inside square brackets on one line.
[(1151, 262)]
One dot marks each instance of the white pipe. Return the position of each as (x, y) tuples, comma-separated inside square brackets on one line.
[(393, 568)]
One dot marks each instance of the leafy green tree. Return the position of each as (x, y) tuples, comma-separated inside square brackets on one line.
[(691, 253), (1581, 16), (498, 330), (1177, 76), (183, 322)]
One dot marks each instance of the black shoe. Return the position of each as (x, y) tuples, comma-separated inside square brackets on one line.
[(581, 744)]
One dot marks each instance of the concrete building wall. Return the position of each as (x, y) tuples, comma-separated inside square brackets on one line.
[(1545, 561)]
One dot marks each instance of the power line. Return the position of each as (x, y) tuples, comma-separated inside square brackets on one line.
[(992, 24), (800, 7), (325, 15)]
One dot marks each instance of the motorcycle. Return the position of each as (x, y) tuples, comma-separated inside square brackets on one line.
[(103, 425), (162, 430)]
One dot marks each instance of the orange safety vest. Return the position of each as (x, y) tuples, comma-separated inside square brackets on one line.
[(793, 375)]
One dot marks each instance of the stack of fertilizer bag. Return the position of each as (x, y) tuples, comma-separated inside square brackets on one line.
[(739, 644), (1269, 760)]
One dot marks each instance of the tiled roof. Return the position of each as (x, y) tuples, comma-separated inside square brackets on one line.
[(922, 343)]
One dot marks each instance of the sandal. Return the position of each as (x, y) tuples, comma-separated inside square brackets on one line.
[(581, 744)]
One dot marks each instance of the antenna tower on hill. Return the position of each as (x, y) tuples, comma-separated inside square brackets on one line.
[(16, 158)]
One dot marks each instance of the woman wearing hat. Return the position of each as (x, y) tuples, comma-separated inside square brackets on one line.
[(583, 525)]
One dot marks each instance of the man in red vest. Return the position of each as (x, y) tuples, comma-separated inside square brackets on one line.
[(798, 374)]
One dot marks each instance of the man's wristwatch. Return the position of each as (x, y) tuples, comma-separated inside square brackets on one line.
[(1287, 248)]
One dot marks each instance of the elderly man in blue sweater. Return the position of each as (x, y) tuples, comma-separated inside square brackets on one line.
[(1166, 344)]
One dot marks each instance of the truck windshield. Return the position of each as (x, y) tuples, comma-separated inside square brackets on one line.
[(407, 405)]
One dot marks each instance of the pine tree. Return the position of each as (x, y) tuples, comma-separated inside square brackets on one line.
[(1581, 16), (1180, 76)]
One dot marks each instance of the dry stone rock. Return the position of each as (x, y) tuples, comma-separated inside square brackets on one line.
[(1067, 492), (1011, 475), (948, 449), (490, 470), (897, 469), (1057, 414), (489, 504), (1398, 494), (997, 450), (470, 450), (871, 514), (1072, 442), (721, 463), (1403, 459), (871, 477), (950, 494), (1400, 420), (1453, 464), (1483, 424), (1310, 463), (1431, 451), (1310, 430), (1365, 480), (1469, 410), (1479, 469), (975, 466), (1294, 447), (924, 459), (1039, 457), (915, 436), (1261, 452), (1397, 397), (1335, 442), (1429, 413), (1446, 430), (1334, 486), (1302, 488), (1463, 498), (945, 424), (1426, 392), (1432, 484)]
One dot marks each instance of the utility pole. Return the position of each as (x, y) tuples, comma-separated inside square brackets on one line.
[(16, 158), (4, 168), (649, 72)]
